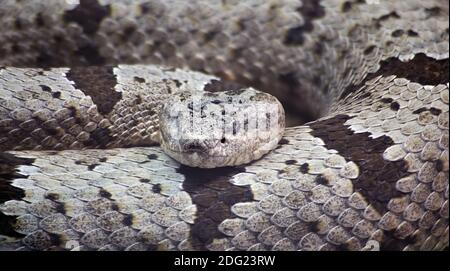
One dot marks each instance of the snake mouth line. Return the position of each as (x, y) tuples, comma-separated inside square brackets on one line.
[(200, 153)]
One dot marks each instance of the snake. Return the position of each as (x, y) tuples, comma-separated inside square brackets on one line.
[(93, 94)]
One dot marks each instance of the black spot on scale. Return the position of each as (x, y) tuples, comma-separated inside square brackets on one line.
[(139, 79), (45, 88), (377, 177), (420, 110), (105, 194), (433, 12), (91, 167), (304, 168), (103, 159), (385, 17), (115, 207), (143, 180), (412, 33), (439, 165), (313, 226), (320, 179), (213, 195), (60, 207), (56, 94), (395, 106), (145, 7), (152, 156), (52, 196), (435, 111), (369, 50), (290, 162), (156, 188), (128, 220), (177, 83), (347, 6), (397, 33), (283, 141)]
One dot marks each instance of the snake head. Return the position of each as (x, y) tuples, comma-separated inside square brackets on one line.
[(203, 129)]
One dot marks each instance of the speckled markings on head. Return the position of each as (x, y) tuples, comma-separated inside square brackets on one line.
[(217, 129)]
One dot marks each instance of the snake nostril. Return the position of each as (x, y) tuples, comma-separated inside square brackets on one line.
[(192, 146)]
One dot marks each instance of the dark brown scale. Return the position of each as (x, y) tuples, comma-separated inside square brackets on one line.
[(412, 33), (439, 165), (105, 194), (377, 177), (369, 50), (56, 94), (139, 79), (304, 168), (156, 188), (213, 195), (98, 83), (8, 172), (321, 180), (92, 166), (290, 162), (88, 14), (310, 10), (128, 220), (421, 69), (395, 106), (391, 15)]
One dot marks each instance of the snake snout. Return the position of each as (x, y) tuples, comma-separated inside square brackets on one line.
[(192, 146)]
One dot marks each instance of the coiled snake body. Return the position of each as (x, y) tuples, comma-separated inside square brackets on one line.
[(77, 169)]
